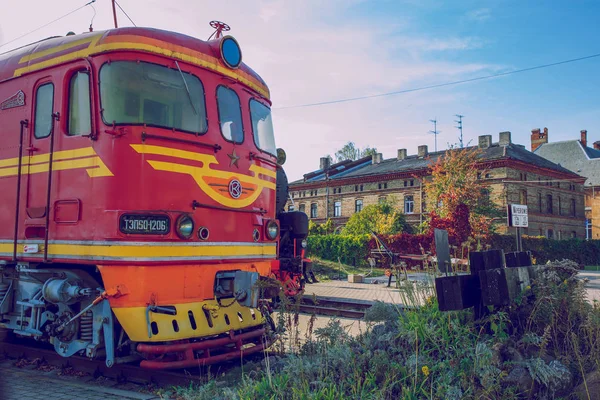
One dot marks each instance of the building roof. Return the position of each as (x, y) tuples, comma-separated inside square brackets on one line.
[(365, 166), (61, 49), (571, 154)]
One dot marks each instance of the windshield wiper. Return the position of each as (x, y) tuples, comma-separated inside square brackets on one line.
[(186, 88)]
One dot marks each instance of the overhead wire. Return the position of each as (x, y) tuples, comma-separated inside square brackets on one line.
[(438, 85), (49, 23), (121, 8)]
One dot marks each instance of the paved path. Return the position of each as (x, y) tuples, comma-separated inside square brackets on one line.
[(33, 384)]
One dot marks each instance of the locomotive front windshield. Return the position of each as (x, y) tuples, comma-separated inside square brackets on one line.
[(262, 126), (144, 93)]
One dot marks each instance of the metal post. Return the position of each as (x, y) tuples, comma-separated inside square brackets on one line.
[(114, 13)]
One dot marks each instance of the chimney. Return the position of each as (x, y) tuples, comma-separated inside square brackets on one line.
[(538, 138), (504, 139), (324, 165), (584, 138), (376, 158), (401, 154), (485, 141), (597, 145), (422, 150)]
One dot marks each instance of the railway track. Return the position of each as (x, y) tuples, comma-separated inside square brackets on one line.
[(334, 307), (25, 353)]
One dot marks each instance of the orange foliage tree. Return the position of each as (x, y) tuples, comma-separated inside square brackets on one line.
[(455, 195)]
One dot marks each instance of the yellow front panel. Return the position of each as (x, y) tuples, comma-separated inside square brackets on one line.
[(133, 320)]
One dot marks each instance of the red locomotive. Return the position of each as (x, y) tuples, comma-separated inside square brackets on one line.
[(140, 197)]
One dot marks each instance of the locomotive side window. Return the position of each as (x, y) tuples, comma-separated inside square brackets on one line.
[(44, 100), (262, 127), (230, 115), (80, 118), (135, 93)]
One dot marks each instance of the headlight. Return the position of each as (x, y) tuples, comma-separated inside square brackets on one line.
[(185, 226), (304, 243), (272, 230)]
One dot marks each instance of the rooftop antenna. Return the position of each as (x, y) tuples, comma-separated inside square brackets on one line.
[(460, 139), (434, 131), (219, 27)]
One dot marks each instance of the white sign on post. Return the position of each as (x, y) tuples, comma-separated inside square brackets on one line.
[(517, 216)]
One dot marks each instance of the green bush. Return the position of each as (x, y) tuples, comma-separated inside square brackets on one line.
[(585, 252), (350, 249)]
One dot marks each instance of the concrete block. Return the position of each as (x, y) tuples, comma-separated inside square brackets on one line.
[(501, 286), (356, 278), (457, 292)]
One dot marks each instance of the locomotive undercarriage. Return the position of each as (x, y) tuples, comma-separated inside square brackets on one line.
[(63, 307), (68, 309)]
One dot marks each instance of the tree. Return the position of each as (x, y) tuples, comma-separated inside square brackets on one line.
[(382, 218), (456, 195), (351, 152)]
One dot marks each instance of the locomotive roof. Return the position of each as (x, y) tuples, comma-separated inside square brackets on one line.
[(57, 50)]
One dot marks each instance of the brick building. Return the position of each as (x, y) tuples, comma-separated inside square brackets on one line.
[(554, 195), (582, 159)]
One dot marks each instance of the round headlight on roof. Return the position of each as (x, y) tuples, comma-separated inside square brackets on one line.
[(231, 54), (184, 226)]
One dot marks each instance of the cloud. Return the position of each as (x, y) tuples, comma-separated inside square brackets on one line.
[(479, 15), (314, 51)]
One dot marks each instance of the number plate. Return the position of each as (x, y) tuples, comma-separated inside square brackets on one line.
[(145, 224)]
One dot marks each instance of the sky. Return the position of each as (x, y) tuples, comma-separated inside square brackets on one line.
[(315, 51)]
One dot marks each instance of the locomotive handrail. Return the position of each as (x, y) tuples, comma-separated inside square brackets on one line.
[(146, 135), (256, 156), (24, 124), (55, 117)]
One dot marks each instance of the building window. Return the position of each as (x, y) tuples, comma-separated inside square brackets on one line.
[(423, 206), (549, 203), (339, 190), (337, 209), (358, 205), (523, 197), (334, 190), (385, 185), (484, 198), (409, 205), (361, 188), (379, 186), (573, 235), (540, 202), (412, 183), (356, 188), (559, 206), (488, 175), (302, 208), (573, 208), (549, 234), (479, 175), (382, 199), (588, 229), (80, 119), (313, 210), (405, 183)]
